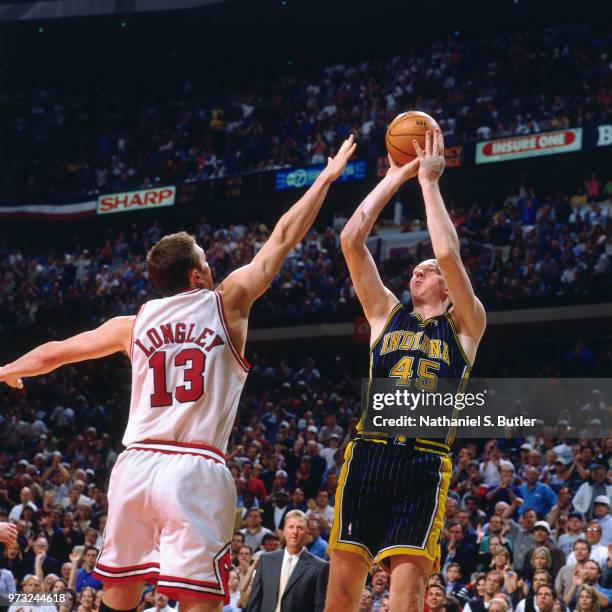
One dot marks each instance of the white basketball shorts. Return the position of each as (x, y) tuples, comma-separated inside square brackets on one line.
[(170, 520)]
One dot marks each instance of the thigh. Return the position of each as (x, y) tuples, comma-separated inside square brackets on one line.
[(361, 511), (130, 548), (417, 516), (122, 596), (196, 501)]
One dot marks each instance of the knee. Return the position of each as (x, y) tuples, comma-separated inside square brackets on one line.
[(341, 597), (409, 600)]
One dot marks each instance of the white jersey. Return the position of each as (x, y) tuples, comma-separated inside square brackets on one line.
[(186, 374)]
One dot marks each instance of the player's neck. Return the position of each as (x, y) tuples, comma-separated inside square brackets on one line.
[(428, 311)]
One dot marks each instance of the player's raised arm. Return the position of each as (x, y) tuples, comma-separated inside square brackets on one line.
[(111, 337), (376, 299), (243, 286), (467, 307)]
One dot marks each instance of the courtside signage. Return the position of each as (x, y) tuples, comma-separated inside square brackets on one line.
[(136, 200), (298, 178), (529, 145)]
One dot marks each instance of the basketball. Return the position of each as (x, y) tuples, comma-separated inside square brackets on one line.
[(403, 130)]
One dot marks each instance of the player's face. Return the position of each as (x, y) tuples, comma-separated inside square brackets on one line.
[(427, 283)]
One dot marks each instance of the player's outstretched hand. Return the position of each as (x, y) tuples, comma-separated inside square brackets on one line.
[(403, 173), (8, 533), (10, 380), (432, 159), (335, 165)]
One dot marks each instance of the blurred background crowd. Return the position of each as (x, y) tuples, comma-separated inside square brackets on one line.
[(530, 249), (63, 141)]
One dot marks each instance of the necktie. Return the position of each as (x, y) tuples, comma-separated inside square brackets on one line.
[(284, 578)]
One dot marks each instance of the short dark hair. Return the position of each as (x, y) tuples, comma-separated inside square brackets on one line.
[(582, 541), (546, 586), (270, 536), (170, 261)]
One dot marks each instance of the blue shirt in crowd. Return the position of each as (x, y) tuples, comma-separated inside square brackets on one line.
[(540, 498)]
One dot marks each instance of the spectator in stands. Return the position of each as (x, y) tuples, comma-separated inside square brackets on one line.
[(562, 505), (84, 576), (536, 495), (545, 598), (380, 588), (454, 582), (589, 575), (269, 543), (274, 515), (315, 543), (563, 579), (601, 513), (574, 531), (49, 565), (540, 577), (254, 531), (588, 600), (586, 496), (598, 552), (25, 497), (436, 598), (7, 582), (366, 602), (492, 585), (542, 533), (322, 508), (521, 535), (161, 602), (244, 560), (455, 549), (234, 592)]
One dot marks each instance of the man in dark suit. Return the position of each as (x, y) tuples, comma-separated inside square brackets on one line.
[(292, 579), (274, 515)]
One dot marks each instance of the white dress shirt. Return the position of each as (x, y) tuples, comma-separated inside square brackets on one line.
[(292, 560)]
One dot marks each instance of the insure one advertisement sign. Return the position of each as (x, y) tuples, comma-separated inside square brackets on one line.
[(529, 145)]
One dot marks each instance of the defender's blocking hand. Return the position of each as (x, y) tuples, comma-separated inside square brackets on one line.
[(335, 165)]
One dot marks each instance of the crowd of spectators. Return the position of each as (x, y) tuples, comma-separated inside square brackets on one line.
[(63, 143), (530, 249), (522, 513)]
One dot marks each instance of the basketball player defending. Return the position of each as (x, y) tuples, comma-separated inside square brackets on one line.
[(171, 497), (392, 490)]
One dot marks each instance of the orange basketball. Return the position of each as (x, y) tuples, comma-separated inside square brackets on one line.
[(403, 130)]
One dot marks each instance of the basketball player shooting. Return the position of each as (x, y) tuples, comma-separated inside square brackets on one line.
[(392, 490), (171, 496)]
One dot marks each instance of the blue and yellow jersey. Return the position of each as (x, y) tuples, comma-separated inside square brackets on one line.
[(417, 352)]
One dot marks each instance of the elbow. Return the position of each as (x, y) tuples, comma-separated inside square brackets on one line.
[(49, 357), (448, 255), (349, 239)]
